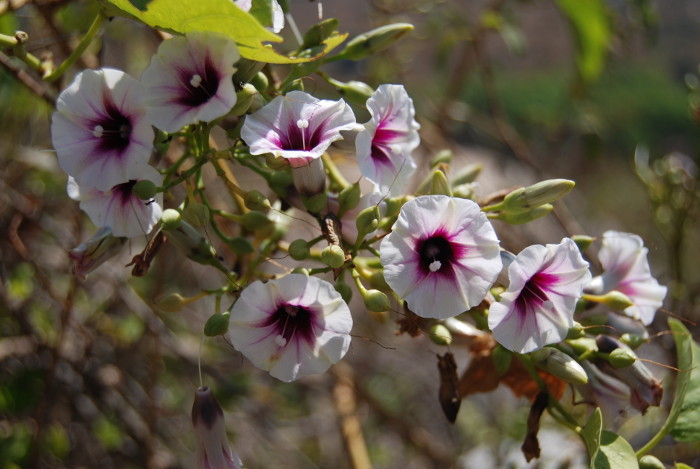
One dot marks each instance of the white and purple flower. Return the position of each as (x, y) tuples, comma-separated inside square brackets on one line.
[(94, 252), (626, 269), (442, 255), (385, 144), (119, 208), (292, 327), (213, 450), (100, 131), (538, 307), (298, 127), (190, 79)]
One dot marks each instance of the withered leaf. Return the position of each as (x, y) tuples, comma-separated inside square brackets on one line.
[(531, 446), (450, 399), (142, 261), (409, 323)]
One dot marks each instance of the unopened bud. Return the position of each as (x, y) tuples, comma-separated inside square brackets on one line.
[(443, 157), (632, 340), (652, 462), (349, 197), (393, 205), (541, 193), (241, 245), (171, 303), (145, 189), (373, 41), (583, 345), (280, 181), (255, 220), (376, 301), (302, 270), (299, 249), (333, 256), (525, 217), (502, 357), (582, 241), (615, 300), (190, 241), (440, 335), (316, 203), (213, 450), (560, 365), (260, 82), (294, 85), (276, 162), (355, 92), (217, 324), (244, 98), (92, 253), (256, 200), (197, 214), (575, 332), (377, 280), (344, 290), (622, 357), (439, 184), (170, 219), (316, 34), (367, 221), (468, 174), (465, 191)]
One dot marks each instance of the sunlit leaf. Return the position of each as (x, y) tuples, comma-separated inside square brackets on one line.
[(591, 432), (687, 427), (614, 453)]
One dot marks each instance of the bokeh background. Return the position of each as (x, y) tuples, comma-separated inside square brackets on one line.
[(93, 375)]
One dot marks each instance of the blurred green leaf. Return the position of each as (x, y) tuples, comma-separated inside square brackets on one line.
[(21, 282), (15, 445), (687, 427), (129, 329), (591, 432), (607, 450), (108, 433), (57, 441)]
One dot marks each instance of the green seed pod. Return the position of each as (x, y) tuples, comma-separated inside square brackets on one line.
[(260, 82), (333, 256), (244, 99), (440, 335), (349, 197), (468, 174), (170, 218), (651, 462), (255, 220), (577, 331), (196, 214), (616, 300), (355, 92), (633, 341), (294, 85), (217, 324), (376, 301), (367, 221), (622, 358), (280, 181), (377, 280), (344, 290), (145, 189), (373, 41), (315, 203), (171, 303), (525, 217), (241, 245), (541, 193), (256, 200), (464, 191), (301, 270), (299, 249)]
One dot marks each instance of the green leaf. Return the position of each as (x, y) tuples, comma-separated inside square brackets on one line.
[(687, 427), (591, 432), (684, 352), (222, 16), (680, 465), (590, 22), (607, 450), (262, 11)]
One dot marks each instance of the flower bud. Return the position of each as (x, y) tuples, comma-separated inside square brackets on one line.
[(468, 174), (582, 241), (377, 280), (465, 191), (333, 256), (190, 241), (349, 197), (576, 331), (241, 245), (442, 157), (560, 365), (367, 221), (244, 98), (525, 217), (145, 189), (256, 200), (301, 270), (294, 85), (651, 462), (92, 253), (622, 358), (255, 220), (260, 82), (315, 203), (615, 300), (373, 41), (344, 290), (299, 249), (583, 345), (280, 181), (171, 303), (276, 163), (213, 451), (376, 301), (541, 193), (196, 214), (439, 184), (633, 341), (355, 92), (170, 219), (440, 335), (310, 179), (217, 324)]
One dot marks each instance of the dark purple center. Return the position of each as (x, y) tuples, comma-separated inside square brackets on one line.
[(301, 137), (437, 254), (124, 191), (380, 146), (293, 322), (113, 130), (533, 294), (200, 85)]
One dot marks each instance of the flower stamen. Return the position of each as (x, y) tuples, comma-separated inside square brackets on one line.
[(303, 124), (435, 265), (98, 131), (196, 80)]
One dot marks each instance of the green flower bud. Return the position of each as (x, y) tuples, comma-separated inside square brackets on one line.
[(525, 217), (256, 103), (241, 245), (344, 290), (632, 340), (582, 241), (299, 249), (465, 191), (355, 92), (583, 345), (440, 335), (191, 242), (170, 219), (376, 301), (294, 85), (443, 157), (244, 99), (377, 280), (373, 41), (560, 365), (280, 181), (333, 256), (255, 220), (315, 203), (468, 174), (577, 331), (256, 200), (276, 162), (622, 357), (260, 82), (145, 189), (544, 192), (502, 357), (652, 462), (171, 303), (349, 197), (393, 206), (615, 300), (367, 221), (197, 214), (439, 184), (217, 324), (302, 271)]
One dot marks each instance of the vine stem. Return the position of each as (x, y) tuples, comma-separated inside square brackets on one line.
[(78, 51)]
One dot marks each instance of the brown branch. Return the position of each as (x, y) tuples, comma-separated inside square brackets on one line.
[(35, 86)]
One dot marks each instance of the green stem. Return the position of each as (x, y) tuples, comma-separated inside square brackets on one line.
[(333, 173), (82, 46)]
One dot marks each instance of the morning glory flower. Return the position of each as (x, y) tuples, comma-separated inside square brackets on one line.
[(385, 144), (100, 131), (442, 255), (626, 269), (298, 127), (94, 252), (190, 79), (292, 327), (538, 307), (213, 450), (119, 208)]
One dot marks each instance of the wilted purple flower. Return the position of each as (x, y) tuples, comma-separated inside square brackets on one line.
[(100, 131), (190, 79), (626, 269), (606, 392), (213, 451), (538, 307), (119, 208), (442, 255), (292, 327), (298, 127), (385, 144), (92, 253)]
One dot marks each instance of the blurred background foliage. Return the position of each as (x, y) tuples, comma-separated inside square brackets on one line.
[(605, 92)]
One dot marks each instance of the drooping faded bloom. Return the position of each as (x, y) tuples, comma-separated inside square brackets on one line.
[(442, 255), (100, 131), (189, 80), (298, 127), (213, 451), (385, 144), (119, 208), (538, 307), (277, 13), (292, 327), (606, 392), (92, 253), (626, 269)]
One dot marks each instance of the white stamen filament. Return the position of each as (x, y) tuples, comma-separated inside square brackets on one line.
[(435, 266), (196, 80), (281, 341), (98, 131), (303, 124)]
